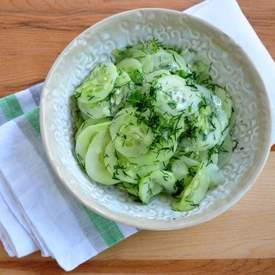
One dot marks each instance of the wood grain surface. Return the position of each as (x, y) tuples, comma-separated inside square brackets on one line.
[(242, 241)]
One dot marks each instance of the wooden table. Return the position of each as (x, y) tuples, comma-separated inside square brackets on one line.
[(242, 241)]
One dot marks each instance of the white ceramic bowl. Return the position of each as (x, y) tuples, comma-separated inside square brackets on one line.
[(231, 67)]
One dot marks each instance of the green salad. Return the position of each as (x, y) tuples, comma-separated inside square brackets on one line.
[(154, 122)]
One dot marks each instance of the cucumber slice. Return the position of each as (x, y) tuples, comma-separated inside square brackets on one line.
[(194, 158), (118, 98), (179, 60), (133, 67), (89, 122), (189, 162), (119, 120), (226, 101), (94, 163), (163, 59), (148, 64), (194, 192), (179, 168), (118, 169), (220, 102), (225, 152), (125, 171), (148, 189), (202, 141), (96, 110), (122, 79), (207, 176), (155, 75), (198, 64), (209, 123), (98, 85), (85, 136), (120, 54), (130, 136), (133, 140), (110, 159), (215, 175), (160, 153), (174, 97), (155, 183), (129, 188), (166, 179)]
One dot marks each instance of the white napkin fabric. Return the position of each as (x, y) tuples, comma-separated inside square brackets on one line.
[(37, 213)]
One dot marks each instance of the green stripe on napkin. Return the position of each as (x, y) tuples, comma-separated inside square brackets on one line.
[(33, 118), (10, 107), (108, 230)]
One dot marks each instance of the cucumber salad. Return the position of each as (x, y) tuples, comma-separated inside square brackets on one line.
[(154, 122)]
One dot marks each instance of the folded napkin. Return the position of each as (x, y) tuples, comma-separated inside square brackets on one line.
[(37, 213)]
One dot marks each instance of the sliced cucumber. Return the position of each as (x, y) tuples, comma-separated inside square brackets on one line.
[(163, 59), (189, 162), (194, 192), (215, 175), (198, 64), (96, 110), (119, 120), (94, 163), (161, 152), (119, 169), (128, 53), (118, 98), (179, 60), (133, 140), (179, 168), (85, 137), (148, 64), (209, 124), (208, 176), (131, 137), (122, 169), (174, 97), (98, 85), (122, 79), (155, 183), (225, 152), (133, 67), (148, 189), (89, 122), (129, 188), (225, 100), (155, 75)]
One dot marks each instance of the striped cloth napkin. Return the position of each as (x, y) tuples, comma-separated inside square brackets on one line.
[(40, 212), (37, 213)]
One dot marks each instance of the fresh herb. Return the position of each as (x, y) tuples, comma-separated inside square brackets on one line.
[(165, 176), (77, 93), (172, 104), (236, 143), (90, 97), (211, 123)]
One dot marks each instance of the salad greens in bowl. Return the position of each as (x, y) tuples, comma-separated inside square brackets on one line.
[(155, 119), (154, 122)]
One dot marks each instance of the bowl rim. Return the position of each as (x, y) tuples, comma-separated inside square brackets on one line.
[(143, 223)]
